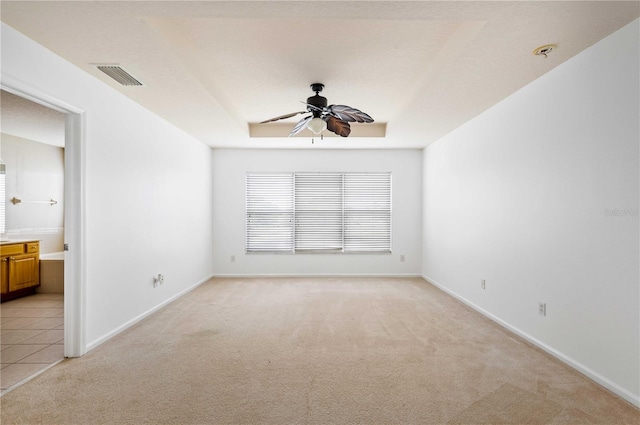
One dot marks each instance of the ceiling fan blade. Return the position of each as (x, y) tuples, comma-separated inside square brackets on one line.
[(347, 113), (302, 124), (282, 117), (341, 128)]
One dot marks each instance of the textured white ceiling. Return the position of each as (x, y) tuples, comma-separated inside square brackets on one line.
[(28, 120), (420, 68)]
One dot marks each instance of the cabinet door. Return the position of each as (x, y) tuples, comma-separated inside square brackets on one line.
[(23, 272), (4, 275)]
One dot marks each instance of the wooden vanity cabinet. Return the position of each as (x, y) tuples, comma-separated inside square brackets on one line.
[(19, 269)]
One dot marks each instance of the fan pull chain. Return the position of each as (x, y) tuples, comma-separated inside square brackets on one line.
[(314, 140)]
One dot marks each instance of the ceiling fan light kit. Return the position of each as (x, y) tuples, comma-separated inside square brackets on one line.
[(317, 125), (335, 118)]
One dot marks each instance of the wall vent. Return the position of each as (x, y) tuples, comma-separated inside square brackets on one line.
[(119, 74)]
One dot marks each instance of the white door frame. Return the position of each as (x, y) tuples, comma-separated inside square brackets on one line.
[(74, 214)]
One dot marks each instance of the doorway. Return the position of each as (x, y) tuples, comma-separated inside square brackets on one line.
[(32, 226), (71, 303)]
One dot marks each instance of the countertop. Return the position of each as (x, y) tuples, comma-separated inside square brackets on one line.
[(12, 241)]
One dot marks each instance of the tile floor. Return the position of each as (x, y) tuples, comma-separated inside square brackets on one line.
[(31, 336)]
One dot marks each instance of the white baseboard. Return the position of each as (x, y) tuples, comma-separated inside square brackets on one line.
[(301, 275), (136, 319), (611, 386)]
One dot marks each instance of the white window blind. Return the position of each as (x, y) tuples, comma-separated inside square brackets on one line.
[(367, 212), (318, 212), (269, 210), (318, 207)]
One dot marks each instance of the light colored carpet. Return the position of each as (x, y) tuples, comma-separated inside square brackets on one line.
[(315, 351)]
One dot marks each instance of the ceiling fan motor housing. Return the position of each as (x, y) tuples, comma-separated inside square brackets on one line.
[(317, 101)]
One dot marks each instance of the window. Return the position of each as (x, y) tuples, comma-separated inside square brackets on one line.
[(2, 198), (318, 212), (367, 212), (269, 209), (318, 208)]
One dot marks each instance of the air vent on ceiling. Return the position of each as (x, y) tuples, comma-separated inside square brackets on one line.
[(119, 74)]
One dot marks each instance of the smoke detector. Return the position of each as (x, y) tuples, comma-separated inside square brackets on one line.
[(544, 50)]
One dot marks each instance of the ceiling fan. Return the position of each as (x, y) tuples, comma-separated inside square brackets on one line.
[(335, 118)]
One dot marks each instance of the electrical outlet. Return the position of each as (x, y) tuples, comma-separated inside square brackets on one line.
[(542, 309), (161, 279), (233, 258), (483, 284), (156, 281), (402, 258)]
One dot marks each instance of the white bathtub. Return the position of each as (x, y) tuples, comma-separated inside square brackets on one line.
[(52, 256), (51, 273)]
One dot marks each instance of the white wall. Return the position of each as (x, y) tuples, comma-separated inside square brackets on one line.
[(148, 192), (539, 196), (34, 172), (229, 170)]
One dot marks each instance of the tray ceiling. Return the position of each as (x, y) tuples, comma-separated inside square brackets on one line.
[(217, 68)]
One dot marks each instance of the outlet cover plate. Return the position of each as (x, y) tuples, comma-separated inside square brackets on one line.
[(542, 309)]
